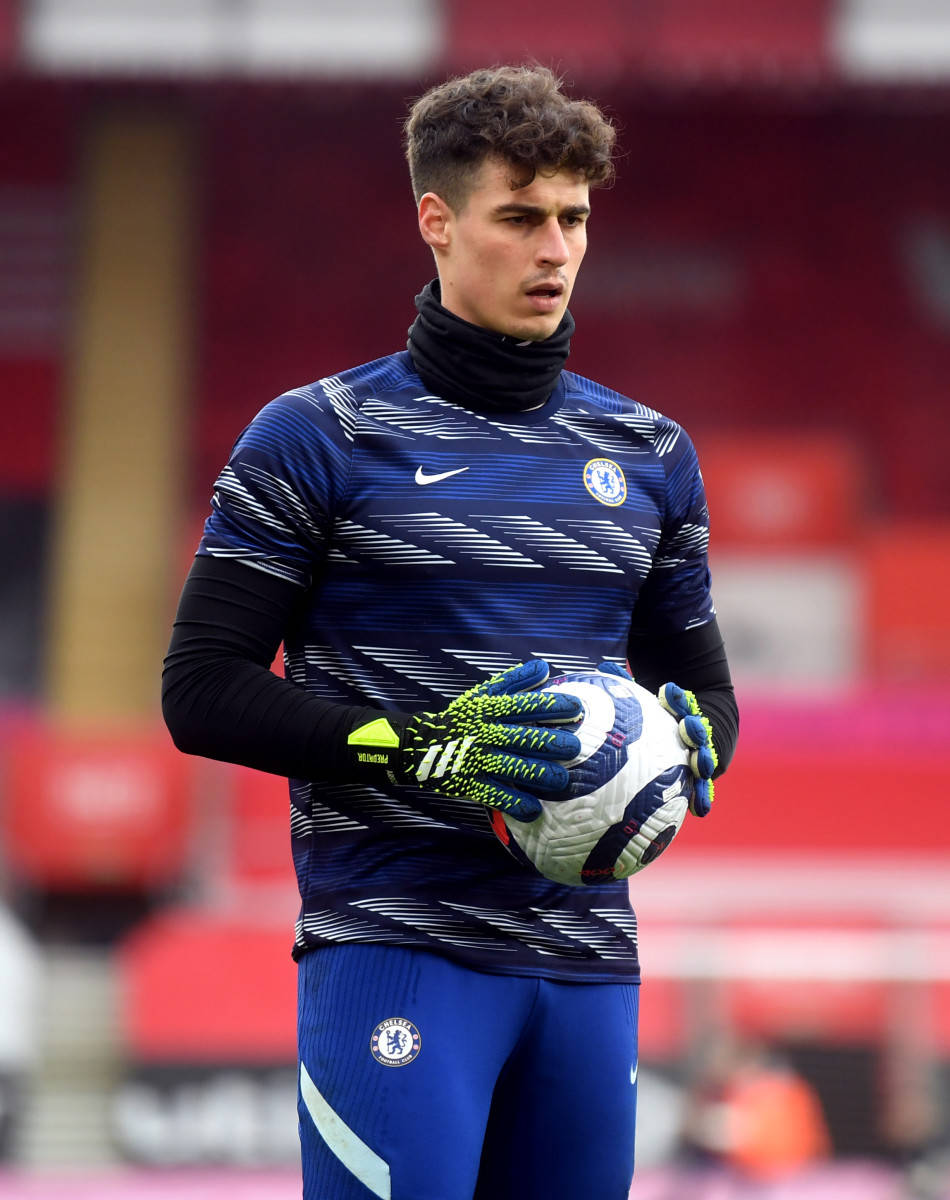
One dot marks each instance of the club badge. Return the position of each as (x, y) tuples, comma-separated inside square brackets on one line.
[(395, 1042), (605, 481)]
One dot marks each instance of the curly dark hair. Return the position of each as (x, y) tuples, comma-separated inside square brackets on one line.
[(518, 114)]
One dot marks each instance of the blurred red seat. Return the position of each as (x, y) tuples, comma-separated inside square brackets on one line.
[(200, 986), (95, 810), (259, 841), (783, 491), (908, 580)]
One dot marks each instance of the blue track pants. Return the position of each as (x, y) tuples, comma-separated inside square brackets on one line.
[(423, 1080)]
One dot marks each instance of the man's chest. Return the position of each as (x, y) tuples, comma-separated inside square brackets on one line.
[(498, 501)]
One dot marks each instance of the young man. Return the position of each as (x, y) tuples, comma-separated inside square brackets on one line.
[(429, 534)]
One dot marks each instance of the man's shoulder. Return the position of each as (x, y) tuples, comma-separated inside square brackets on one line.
[(391, 374), (579, 387), (330, 406)]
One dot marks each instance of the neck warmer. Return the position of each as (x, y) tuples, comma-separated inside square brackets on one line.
[(479, 368)]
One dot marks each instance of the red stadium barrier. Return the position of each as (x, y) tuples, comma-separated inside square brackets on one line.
[(259, 840), (669, 36), (841, 774), (94, 810), (908, 580), (203, 987), (783, 491)]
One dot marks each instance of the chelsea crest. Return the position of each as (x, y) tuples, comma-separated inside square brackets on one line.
[(395, 1042), (605, 481)]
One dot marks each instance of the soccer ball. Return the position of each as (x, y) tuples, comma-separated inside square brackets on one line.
[(629, 789)]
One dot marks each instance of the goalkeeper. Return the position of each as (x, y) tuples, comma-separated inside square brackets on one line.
[(429, 535)]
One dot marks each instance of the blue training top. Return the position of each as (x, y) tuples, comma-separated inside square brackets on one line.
[(439, 545)]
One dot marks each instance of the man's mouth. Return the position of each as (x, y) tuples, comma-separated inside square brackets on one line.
[(545, 298), (549, 290)]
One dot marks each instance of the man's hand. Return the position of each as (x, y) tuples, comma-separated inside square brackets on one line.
[(696, 735), (491, 745)]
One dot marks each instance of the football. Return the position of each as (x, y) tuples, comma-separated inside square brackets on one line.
[(629, 789)]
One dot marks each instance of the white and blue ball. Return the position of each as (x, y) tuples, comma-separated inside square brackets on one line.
[(628, 794)]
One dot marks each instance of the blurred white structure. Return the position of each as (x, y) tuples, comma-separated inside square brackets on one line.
[(20, 972), (329, 38), (793, 623), (893, 39)]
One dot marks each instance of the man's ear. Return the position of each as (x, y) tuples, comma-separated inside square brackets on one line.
[(435, 221)]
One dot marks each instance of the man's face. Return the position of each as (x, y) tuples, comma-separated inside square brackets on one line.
[(509, 257)]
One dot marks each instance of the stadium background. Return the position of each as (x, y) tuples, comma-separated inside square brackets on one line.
[(203, 203)]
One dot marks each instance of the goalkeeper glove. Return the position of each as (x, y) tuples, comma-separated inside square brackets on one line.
[(490, 745), (695, 733)]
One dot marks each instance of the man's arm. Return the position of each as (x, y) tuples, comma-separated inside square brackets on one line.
[(695, 660), (492, 745), (219, 697)]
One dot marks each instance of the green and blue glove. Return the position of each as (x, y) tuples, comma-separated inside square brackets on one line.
[(491, 745), (696, 735), (695, 732)]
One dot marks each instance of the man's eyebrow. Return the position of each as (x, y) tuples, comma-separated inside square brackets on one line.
[(513, 208)]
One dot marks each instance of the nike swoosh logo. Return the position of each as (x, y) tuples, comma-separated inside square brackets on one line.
[(633, 1072), (422, 478)]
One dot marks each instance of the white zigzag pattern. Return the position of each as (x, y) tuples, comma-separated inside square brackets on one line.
[(413, 664), (321, 819), (326, 687), (666, 442), (551, 542), (624, 920), (517, 927), (447, 425), (375, 805), (462, 538), (591, 429), (689, 541), (339, 927), (281, 491), (369, 683), (343, 402), (531, 435), (458, 812), (646, 423), (243, 501), (243, 555), (561, 664), (433, 922), (372, 543), (621, 541), (489, 662), (606, 943)]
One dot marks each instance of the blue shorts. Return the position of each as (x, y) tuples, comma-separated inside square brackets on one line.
[(423, 1080)]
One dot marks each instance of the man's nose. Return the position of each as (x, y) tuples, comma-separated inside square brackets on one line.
[(553, 245)]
